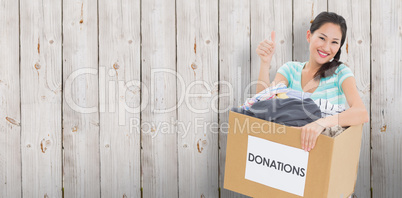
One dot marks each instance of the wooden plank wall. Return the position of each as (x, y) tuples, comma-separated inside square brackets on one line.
[(386, 80), (197, 70), (119, 90), (41, 87), (81, 161), (10, 105), (130, 98), (159, 135)]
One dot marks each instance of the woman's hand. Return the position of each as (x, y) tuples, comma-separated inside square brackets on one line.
[(266, 49), (310, 133)]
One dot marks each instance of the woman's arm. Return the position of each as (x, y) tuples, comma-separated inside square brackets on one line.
[(265, 50), (263, 79), (356, 114)]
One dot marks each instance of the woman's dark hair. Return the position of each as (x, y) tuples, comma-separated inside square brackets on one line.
[(328, 69)]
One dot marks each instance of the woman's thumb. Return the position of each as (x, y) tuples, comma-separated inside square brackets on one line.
[(273, 36)]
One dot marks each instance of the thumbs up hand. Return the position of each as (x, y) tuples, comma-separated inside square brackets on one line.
[(266, 49)]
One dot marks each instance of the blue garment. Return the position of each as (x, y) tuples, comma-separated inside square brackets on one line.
[(329, 89)]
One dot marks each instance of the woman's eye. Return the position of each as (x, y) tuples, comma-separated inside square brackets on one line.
[(322, 38), (335, 42)]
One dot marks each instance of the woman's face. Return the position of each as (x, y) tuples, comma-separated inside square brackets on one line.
[(324, 42)]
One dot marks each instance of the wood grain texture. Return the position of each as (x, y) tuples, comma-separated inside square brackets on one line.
[(197, 65), (159, 117), (234, 70), (41, 86), (356, 54), (81, 164), (67, 120), (386, 67), (119, 88), (303, 14), (268, 16), (10, 127)]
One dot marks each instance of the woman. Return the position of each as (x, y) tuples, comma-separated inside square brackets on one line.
[(323, 75)]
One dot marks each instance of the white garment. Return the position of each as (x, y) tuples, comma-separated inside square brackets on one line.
[(328, 109)]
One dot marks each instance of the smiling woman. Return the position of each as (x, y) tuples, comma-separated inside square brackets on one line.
[(330, 82)]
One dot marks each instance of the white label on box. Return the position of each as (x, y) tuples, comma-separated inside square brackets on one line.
[(276, 165)]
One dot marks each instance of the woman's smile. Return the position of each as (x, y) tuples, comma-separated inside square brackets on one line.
[(322, 54)]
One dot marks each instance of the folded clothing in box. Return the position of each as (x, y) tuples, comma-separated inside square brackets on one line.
[(289, 111)]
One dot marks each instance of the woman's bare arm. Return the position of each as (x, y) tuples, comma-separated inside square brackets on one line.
[(265, 50), (264, 81), (356, 114)]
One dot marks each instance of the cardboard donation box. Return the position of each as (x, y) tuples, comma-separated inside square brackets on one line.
[(265, 159)]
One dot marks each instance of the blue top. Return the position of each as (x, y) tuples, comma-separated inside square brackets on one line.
[(330, 88)]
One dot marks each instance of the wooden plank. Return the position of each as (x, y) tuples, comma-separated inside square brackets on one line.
[(119, 60), (268, 16), (10, 142), (197, 65), (304, 12), (356, 54), (159, 133), (80, 103), (234, 70), (386, 66), (41, 86)]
